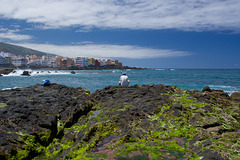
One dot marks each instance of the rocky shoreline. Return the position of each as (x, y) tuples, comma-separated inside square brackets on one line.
[(110, 67), (5, 71), (136, 122)]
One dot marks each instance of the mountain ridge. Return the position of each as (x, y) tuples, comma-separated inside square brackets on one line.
[(19, 50)]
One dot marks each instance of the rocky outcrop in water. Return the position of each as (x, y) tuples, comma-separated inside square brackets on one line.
[(137, 122), (26, 73), (5, 71)]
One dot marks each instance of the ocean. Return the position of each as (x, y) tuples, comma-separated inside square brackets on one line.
[(191, 79)]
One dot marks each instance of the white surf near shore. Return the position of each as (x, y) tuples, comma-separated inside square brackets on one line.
[(19, 72)]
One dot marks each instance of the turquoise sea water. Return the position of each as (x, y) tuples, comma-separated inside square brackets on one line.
[(227, 80)]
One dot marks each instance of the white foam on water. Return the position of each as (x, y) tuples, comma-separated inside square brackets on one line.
[(18, 72), (37, 73), (227, 89), (162, 69), (11, 88)]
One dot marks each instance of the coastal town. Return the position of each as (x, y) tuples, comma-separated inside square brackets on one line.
[(52, 61)]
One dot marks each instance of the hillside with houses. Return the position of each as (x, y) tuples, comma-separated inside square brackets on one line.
[(16, 56), (51, 61)]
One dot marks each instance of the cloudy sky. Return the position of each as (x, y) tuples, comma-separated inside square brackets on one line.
[(143, 33)]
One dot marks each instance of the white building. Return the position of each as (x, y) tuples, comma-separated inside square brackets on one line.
[(53, 64), (19, 62), (4, 54), (31, 64), (44, 63), (81, 61), (49, 61)]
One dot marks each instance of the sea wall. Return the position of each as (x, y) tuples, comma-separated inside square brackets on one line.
[(137, 122)]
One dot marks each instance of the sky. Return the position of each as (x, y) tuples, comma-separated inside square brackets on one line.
[(139, 33)]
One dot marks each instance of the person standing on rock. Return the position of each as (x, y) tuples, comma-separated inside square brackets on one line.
[(123, 80)]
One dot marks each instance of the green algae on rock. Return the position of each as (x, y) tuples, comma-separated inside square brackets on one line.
[(136, 122)]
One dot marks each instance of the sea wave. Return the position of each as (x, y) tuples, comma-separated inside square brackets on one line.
[(11, 88), (162, 69), (227, 89), (19, 72)]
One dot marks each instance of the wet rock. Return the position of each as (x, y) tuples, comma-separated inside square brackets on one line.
[(25, 73), (6, 71)]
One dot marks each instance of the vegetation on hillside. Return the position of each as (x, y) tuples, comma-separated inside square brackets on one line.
[(18, 50)]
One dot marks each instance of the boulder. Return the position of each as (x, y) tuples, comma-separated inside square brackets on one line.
[(6, 71), (206, 89), (25, 73), (235, 96)]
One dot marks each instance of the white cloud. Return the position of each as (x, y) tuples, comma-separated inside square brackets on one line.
[(104, 51), (193, 15), (82, 43), (13, 35)]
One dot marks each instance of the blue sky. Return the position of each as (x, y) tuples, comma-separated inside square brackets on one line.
[(142, 33)]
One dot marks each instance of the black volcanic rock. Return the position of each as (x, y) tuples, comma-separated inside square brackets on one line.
[(206, 89), (136, 122), (25, 73), (5, 71), (235, 96), (39, 112)]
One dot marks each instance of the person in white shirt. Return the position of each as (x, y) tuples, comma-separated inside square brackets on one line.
[(123, 80)]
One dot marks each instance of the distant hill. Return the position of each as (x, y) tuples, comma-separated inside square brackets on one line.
[(18, 50)]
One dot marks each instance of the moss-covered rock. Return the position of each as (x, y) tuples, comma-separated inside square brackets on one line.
[(5, 71), (137, 122), (33, 117)]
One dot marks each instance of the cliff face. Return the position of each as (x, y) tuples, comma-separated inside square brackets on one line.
[(137, 122)]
